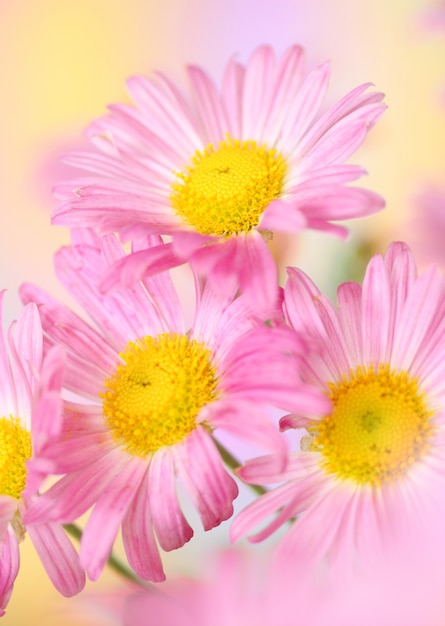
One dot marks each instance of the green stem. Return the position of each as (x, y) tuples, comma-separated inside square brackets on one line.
[(233, 464), (113, 561)]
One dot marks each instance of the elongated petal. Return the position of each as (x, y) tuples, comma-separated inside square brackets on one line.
[(139, 539), (58, 557), (107, 515), (200, 468), (172, 529), (9, 567)]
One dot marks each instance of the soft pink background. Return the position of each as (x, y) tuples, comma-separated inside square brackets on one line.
[(61, 62)]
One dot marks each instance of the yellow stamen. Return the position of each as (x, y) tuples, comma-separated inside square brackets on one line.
[(225, 190), (379, 426), (15, 450), (154, 396)]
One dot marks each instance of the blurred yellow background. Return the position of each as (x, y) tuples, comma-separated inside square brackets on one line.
[(62, 61)]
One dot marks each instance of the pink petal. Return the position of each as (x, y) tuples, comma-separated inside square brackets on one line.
[(27, 353), (58, 557), (107, 516), (8, 507), (139, 265), (7, 387), (232, 94), (200, 468), (171, 527), (208, 104), (305, 107), (375, 312), (9, 567), (259, 510), (288, 78), (249, 422), (138, 537), (75, 493), (282, 216), (257, 274), (257, 92)]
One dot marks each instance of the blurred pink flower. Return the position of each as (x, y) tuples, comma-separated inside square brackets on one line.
[(221, 174), (153, 393), (31, 420), (433, 18), (370, 476), (426, 229), (245, 589)]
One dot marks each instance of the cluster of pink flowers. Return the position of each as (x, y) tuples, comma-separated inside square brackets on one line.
[(133, 406)]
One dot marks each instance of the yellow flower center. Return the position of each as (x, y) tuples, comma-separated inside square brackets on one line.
[(225, 190), (154, 396), (15, 450), (378, 428)]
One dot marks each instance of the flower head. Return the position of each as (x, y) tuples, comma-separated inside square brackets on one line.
[(221, 175), (370, 472), (153, 393), (30, 420)]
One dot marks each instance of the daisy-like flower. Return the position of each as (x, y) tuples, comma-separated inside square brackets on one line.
[(371, 472), (222, 174), (30, 410), (153, 393)]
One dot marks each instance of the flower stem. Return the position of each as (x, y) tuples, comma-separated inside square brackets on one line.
[(113, 561), (233, 464)]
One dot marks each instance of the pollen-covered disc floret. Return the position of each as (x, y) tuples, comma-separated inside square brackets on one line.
[(225, 190), (378, 428), (154, 396), (15, 450)]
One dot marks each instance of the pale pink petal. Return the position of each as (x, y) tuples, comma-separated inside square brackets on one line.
[(413, 322), (8, 506), (47, 413), (305, 107), (259, 510), (58, 557), (26, 340), (288, 78), (340, 141), (139, 539), (7, 388), (258, 80), (232, 95), (139, 265), (263, 469), (375, 313), (257, 274), (282, 215), (75, 493), (200, 468), (107, 515), (171, 527), (9, 567), (349, 314), (208, 104), (245, 420)]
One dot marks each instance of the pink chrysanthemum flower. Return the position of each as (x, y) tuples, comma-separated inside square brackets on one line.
[(372, 470), (153, 395), (30, 410), (222, 174)]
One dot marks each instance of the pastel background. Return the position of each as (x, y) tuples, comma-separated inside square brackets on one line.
[(62, 61)]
